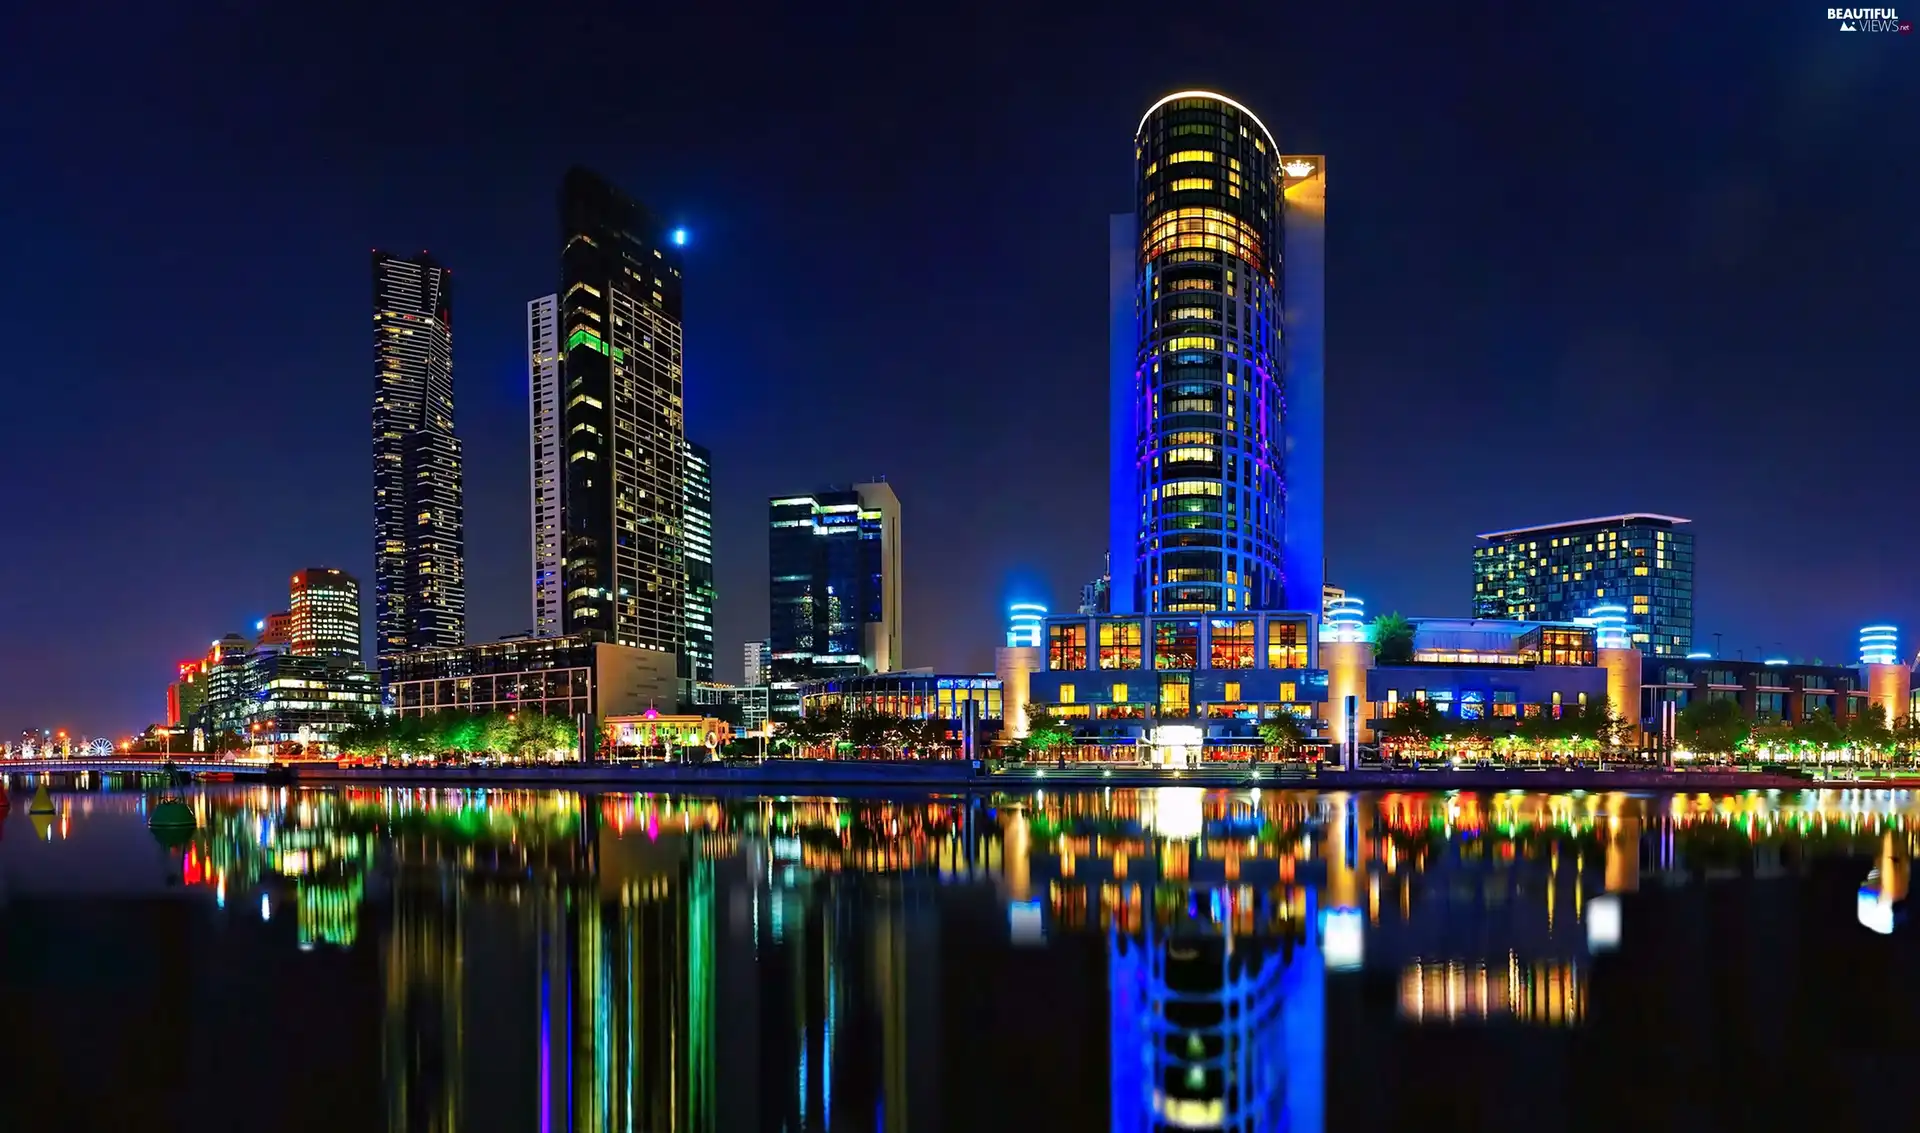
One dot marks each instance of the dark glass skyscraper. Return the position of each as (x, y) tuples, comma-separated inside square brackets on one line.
[(834, 587), (696, 658), (420, 589), (1561, 571), (622, 420), (1216, 390)]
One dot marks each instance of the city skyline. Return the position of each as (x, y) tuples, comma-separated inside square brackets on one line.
[(1506, 316)]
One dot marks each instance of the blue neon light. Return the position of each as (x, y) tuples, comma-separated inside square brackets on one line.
[(679, 237)]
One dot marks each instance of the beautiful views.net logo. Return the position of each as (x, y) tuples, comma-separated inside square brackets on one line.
[(1869, 19)]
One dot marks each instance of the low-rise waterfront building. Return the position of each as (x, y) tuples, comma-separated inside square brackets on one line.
[(751, 700), (567, 675), (307, 700), (1178, 688), (914, 695), (655, 735), (1776, 689)]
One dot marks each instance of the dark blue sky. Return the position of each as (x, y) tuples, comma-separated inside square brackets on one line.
[(1606, 257)]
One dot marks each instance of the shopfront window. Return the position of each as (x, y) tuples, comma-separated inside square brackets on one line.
[(1067, 646), (1176, 695), (1176, 643), (1120, 645), (1231, 644)]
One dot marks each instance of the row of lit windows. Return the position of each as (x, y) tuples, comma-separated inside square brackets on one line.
[(1176, 645)]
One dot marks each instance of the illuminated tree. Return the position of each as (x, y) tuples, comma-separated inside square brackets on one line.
[(1712, 727), (1392, 639), (1284, 733)]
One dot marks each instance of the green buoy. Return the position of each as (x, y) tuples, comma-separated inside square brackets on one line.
[(41, 804), (171, 814)]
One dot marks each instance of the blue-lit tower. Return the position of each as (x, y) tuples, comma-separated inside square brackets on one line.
[(1217, 391), (1025, 624)]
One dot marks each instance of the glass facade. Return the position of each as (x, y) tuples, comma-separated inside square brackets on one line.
[(624, 575), (551, 675), (324, 614), (696, 657), (1207, 382), (832, 600), (917, 696), (419, 551), (543, 389), (1560, 572)]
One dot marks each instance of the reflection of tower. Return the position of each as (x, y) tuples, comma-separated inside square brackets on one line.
[(905, 956), (1623, 854), (423, 1023), (642, 1054), (1210, 1031)]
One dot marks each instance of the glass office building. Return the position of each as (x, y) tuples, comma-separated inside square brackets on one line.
[(623, 421), (323, 614), (1215, 409), (419, 552), (696, 656), (1560, 571), (834, 588)]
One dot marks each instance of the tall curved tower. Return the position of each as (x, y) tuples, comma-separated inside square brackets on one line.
[(1203, 436)]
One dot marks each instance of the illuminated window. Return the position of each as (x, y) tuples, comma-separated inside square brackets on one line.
[(1067, 646), (1192, 183), (1199, 455), (1191, 285), (1286, 645), (1120, 694), (1176, 692), (1120, 645), (1192, 313), (1176, 643), (1066, 694), (1290, 692), (1231, 645), (1190, 488), (1233, 692), (1189, 155)]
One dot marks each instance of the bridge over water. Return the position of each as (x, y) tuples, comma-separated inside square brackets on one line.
[(119, 765)]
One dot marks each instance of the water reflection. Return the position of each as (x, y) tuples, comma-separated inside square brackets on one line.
[(1123, 959)]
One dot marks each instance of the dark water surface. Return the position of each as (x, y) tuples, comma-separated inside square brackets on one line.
[(1172, 958)]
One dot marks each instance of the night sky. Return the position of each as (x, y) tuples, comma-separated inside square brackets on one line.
[(1582, 259)]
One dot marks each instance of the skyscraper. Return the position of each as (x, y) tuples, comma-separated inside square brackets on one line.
[(1216, 390), (622, 547), (420, 591), (543, 384), (834, 587), (323, 606), (696, 657), (755, 658), (1559, 571)]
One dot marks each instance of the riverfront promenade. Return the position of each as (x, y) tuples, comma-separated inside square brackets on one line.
[(777, 774), (959, 775)]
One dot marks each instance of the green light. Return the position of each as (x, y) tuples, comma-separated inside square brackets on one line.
[(585, 337)]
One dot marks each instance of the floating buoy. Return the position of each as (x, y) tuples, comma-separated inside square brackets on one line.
[(171, 814), (41, 803)]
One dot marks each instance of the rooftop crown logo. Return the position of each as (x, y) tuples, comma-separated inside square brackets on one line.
[(1297, 168), (1869, 19)]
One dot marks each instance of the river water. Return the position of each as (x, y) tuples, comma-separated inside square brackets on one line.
[(1167, 958)]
